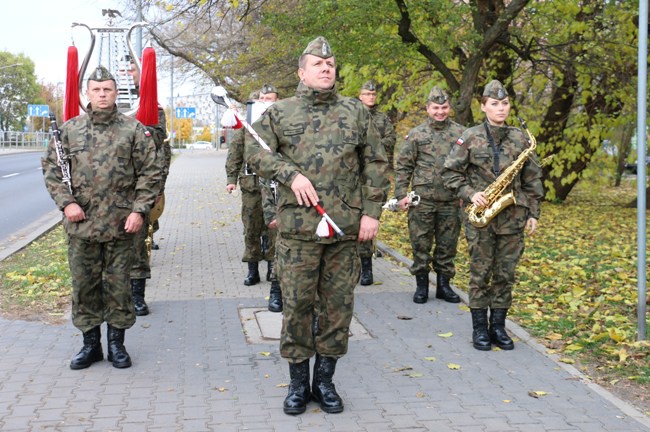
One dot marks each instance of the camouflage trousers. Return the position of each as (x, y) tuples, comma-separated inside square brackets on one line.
[(439, 220), (101, 285), (318, 282), (252, 216), (366, 249), (141, 268), (493, 260)]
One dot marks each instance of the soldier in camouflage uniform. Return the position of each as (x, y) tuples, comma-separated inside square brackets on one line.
[(141, 270), (268, 93), (368, 96), (324, 150), (116, 177), (269, 188), (481, 154), (420, 164), (258, 245), (269, 200)]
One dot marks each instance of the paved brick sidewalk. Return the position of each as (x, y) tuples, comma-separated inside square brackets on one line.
[(194, 369)]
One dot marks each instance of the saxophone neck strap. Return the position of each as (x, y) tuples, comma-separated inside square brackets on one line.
[(495, 151)]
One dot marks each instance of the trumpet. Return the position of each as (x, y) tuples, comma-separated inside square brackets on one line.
[(393, 203)]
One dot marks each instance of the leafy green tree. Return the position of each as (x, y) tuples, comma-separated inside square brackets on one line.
[(18, 88), (204, 135), (570, 66)]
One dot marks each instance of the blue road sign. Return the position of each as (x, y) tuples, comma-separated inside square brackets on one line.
[(185, 112), (38, 111)]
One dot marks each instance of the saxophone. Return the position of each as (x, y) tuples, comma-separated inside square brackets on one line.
[(480, 216)]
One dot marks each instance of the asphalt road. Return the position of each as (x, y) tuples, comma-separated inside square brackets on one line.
[(23, 197)]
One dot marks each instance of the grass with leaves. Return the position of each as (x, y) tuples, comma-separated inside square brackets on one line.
[(576, 287), (35, 282)]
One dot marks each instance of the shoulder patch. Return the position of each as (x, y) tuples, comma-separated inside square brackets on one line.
[(147, 133), (460, 141)]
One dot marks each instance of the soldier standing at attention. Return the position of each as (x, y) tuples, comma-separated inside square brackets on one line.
[(481, 154), (368, 96), (269, 94), (116, 178), (141, 270), (269, 202), (325, 151), (252, 214), (420, 164)]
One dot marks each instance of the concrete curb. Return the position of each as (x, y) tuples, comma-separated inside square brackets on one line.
[(31, 232)]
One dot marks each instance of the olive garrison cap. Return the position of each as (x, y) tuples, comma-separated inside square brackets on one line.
[(319, 47), (268, 88), (495, 90), (101, 74), (369, 85), (438, 95)]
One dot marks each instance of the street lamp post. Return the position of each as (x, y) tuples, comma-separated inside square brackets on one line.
[(58, 99), (171, 102)]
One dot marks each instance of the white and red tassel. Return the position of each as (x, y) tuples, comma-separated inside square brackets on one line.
[(324, 230), (230, 120)]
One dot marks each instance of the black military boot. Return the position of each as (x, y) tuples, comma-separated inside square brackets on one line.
[(444, 291), (116, 351), (91, 352), (269, 271), (322, 388), (498, 334), (137, 291), (366, 271), (421, 289), (253, 276), (299, 395), (275, 297), (480, 336)]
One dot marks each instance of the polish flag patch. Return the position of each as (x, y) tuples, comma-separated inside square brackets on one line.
[(147, 133), (460, 141)]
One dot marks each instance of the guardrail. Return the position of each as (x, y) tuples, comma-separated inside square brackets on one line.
[(24, 140)]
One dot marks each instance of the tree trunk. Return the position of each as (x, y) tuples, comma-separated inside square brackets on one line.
[(624, 146), (634, 203)]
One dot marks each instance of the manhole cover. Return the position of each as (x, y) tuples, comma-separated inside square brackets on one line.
[(262, 326)]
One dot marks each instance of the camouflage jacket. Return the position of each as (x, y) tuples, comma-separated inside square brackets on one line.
[(236, 166), (330, 140), (469, 167), (421, 159), (159, 135), (386, 132), (269, 199), (114, 169)]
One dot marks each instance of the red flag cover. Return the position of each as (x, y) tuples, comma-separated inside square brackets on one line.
[(72, 85), (148, 109)]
